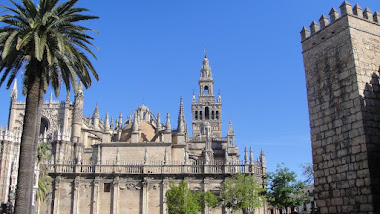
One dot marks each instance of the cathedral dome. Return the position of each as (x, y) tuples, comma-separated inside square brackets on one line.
[(143, 108), (147, 132)]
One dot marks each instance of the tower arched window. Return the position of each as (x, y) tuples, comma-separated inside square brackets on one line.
[(196, 115), (212, 115), (200, 115), (206, 89), (217, 115), (207, 113)]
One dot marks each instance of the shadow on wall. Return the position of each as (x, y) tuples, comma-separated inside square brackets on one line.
[(371, 115)]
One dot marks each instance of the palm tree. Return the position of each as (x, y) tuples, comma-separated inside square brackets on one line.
[(47, 44)]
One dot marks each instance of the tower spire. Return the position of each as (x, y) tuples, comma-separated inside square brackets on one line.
[(135, 126), (250, 155), (158, 122), (206, 69), (245, 156), (14, 90), (51, 97), (106, 123), (96, 117), (230, 129), (206, 108), (168, 126), (181, 118)]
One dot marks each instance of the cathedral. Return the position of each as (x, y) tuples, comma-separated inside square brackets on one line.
[(126, 165)]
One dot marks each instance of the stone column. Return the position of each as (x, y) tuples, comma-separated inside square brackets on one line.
[(115, 195), (75, 195), (205, 189), (95, 194), (144, 184), (56, 194), (164, 187)]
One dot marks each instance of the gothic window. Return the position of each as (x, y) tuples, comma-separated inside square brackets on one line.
[(217, 115), (231, 141), (207, 112), (196, 115), (200, 115), (212, 115), (206, 90), (44, 125)]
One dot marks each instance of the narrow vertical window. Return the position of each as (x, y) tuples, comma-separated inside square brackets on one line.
[(207, 113), (196, 115), (212, 115), (107, 187), (200, 115), (217, 115)]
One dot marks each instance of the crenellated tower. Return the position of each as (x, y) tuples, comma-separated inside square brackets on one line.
[(342, 61), (206, 109)]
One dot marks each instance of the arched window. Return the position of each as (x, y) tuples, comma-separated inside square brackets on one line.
[(44, 125), (196, 115), (217, 115), (207, 113), (212, 115), (206, 89), (200, 115)]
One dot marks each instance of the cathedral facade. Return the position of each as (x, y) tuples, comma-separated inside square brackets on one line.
[(126, 165)]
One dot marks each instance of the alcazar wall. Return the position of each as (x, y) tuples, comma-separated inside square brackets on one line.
[(342, 59)]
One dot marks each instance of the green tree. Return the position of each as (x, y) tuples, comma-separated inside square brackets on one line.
[(45, 42), (181, 200), (284, 190), (241, 192)]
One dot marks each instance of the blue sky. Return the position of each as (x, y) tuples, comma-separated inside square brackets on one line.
[(152, 51)]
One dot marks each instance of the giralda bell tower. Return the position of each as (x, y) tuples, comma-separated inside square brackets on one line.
[(206, 109)]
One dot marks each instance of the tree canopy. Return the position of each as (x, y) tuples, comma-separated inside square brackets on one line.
[(284, 190), (181, 200), (241, 192), (308, 173)]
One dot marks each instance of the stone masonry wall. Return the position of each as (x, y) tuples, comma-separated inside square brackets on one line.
[(342, 66)]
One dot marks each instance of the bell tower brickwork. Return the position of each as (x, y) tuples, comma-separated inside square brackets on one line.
[(342, 59)]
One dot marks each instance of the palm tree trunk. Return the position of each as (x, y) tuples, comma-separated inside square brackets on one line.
[(27, 158), (41, 95)]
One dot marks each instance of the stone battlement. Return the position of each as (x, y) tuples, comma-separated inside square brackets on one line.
[(345, 10)]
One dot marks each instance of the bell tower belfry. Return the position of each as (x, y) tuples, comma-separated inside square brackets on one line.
[(206, 108)]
